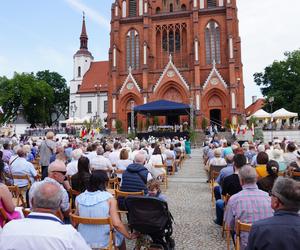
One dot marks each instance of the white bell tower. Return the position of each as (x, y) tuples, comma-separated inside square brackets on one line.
[(81, 63)]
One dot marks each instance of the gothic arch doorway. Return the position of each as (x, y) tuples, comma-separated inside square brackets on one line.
[(215, 117), (129, 104)]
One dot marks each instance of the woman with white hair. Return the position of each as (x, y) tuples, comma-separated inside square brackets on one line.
[(72, 167)]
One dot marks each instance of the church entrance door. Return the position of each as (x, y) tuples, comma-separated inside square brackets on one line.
[(215, 117)]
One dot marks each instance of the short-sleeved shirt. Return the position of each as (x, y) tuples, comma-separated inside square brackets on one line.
[(40, 231), (65, 204), (22, 167)]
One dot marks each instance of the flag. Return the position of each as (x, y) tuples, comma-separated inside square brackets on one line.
[(231, 129), (238, 129), (93, 133), (244, 130)]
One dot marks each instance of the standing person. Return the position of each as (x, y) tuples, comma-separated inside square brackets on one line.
[(42, 229), (281, 231), (188, 150), (47, 149)]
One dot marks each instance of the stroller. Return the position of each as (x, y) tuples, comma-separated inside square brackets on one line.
[(150, 216)]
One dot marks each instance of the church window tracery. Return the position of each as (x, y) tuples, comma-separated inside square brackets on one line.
[(212, 43), (132, 50), (211, 3), (132, 8)]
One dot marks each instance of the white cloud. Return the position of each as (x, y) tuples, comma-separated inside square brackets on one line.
[(268, 28), (94, 15)]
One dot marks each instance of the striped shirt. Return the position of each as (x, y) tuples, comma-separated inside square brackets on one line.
[(248, 206)]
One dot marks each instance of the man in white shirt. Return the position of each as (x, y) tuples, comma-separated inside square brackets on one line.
[(19, 166), (72, 167), (42, 229), (56, 175), (115, 155), (100, 162)]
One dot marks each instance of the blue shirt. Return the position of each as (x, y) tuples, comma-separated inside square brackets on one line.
[(224, 173), (282, 231)]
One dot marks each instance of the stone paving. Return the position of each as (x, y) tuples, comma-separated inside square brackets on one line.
[(189, 200)]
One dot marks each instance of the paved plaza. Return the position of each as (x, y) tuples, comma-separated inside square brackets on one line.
[(189, 200)]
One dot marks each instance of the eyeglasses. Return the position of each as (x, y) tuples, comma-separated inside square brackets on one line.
[(61, 172)]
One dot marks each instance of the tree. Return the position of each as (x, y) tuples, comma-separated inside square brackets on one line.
[(281, 80), (60, 105), (24, 89)]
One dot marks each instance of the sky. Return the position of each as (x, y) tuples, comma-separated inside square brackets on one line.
[(38, 35)]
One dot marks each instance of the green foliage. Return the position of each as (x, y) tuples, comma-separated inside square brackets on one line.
[(192, 136), (281, 80), (227, 123), (252, 120), (258, 134), (61, 94), (147, 122), (204, 123), (41, 95), (119, 127), (24, 89), (88, 124), (155, 120)]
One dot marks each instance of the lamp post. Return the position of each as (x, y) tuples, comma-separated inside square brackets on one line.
[(73, 109), (271, 100), (97, 88)]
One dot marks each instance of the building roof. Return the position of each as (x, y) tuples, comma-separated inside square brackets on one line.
[(255, 106), (98, 74)]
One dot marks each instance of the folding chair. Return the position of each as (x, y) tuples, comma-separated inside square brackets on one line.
[(23, 189), (121, 195), (16, 194), (164, 176), (75, 220), (214, 175), (113, 183), (240, 227), (72, 195)]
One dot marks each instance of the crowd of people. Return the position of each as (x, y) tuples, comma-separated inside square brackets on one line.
[(257, 184), (56, 168)]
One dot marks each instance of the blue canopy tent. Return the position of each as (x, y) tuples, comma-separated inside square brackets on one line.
[(163, 108)]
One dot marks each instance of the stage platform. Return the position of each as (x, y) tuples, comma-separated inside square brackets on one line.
[(158, 134)]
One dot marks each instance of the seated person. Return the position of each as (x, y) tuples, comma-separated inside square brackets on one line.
[(80, 180), (96, 202), (6, 199), (266, 183), (261, 167), (281, 231), (154, 190)]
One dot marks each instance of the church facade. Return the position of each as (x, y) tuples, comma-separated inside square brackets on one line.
[(178, 50)]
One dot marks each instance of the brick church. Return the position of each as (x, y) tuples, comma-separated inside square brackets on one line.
[(186, 51)]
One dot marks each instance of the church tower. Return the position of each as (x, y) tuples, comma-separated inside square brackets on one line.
[(81, 63), (186, 51)]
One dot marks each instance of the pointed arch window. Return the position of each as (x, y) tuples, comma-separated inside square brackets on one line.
[(212, 43), (132, 49), (211, 3), (132, 8)]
